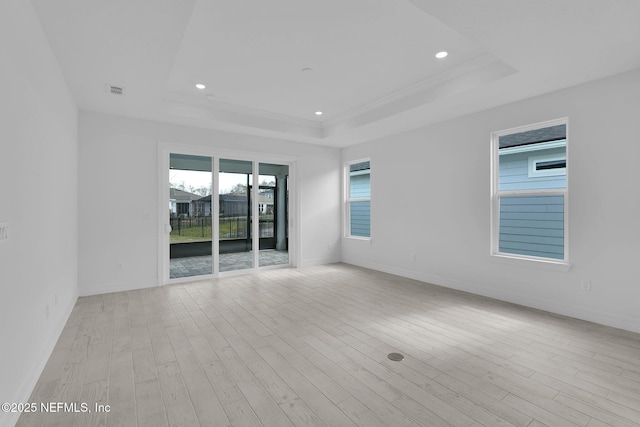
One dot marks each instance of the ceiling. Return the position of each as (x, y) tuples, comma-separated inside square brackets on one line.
[(368, 65)]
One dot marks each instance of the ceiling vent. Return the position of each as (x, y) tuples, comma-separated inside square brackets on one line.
[(114, 90)]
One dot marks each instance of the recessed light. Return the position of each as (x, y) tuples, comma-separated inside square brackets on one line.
[(442, 54), (318, 113), (200, 86), (306, 69)]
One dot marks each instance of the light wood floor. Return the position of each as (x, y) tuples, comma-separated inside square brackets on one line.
[(308, 347)]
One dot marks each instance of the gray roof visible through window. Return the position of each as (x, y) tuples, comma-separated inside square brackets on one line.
[(551, 133), (359, 166)]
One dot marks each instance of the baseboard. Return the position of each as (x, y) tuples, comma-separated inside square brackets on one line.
[(115, 287), (578, 312), (317, 261), (28, 385), (132, 286)]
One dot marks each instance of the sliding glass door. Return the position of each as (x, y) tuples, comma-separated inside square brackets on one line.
[(191, 236), (224, 215), (273, 202), (235, 237)]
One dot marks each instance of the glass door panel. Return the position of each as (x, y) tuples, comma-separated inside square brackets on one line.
[(234, 217), (273, 212), (190, 239)]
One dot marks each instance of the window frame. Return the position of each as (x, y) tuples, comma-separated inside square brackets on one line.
[(348, 199), (496, 194)]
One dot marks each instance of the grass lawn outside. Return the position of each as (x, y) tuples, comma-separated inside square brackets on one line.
[(191, 231)]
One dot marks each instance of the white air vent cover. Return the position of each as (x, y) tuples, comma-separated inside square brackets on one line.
[(114, 90)]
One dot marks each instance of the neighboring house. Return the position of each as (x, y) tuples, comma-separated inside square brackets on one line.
[(231, 205), (181, 203), (359, 199), (265, 200), (203, 204), (235, 205), (530, 223)]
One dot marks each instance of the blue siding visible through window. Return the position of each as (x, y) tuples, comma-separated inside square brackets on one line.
[(360, 186), (360, 210), (532, 225), (531, 202), (360, 218), (514, 173)]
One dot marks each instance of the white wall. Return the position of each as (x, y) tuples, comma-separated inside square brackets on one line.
[(38, 199), (431, 190), (118, 207)]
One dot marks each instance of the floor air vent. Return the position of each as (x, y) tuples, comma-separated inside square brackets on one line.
[(396, 357)]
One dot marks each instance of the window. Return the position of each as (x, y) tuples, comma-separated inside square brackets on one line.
[(529, 197), (548, 165), (358, 200)]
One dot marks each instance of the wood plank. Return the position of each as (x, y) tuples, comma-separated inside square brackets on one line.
[(308, 347)]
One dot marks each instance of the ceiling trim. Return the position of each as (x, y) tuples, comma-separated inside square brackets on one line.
[(479, 71), (240, 116)]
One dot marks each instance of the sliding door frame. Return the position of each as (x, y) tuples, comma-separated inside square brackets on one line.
[(165, 148)]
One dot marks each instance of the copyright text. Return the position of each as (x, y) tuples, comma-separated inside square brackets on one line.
[(54, 407)]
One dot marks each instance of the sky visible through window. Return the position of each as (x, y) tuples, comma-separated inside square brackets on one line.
[(198, 179)]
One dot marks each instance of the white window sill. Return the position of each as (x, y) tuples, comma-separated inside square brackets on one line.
[(363, 239), (520, 261)]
